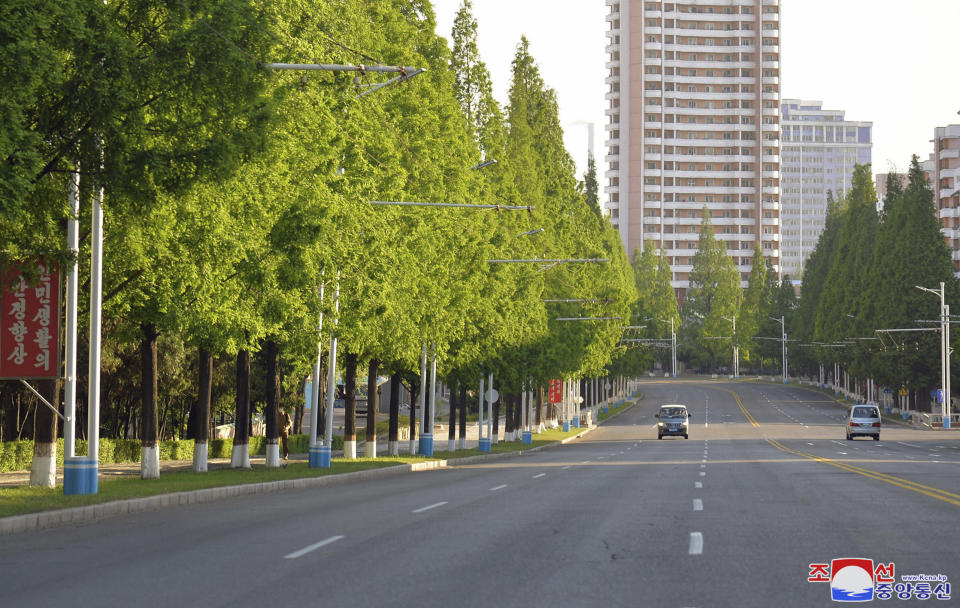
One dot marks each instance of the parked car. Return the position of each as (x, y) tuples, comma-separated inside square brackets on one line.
[(863, 420), (673, 419)]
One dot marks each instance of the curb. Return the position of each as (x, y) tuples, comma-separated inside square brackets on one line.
[(73, 515), (61, 517)]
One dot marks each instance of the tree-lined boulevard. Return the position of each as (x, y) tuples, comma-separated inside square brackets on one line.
[(731, 517)]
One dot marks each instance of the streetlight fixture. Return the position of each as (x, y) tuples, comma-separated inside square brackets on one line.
[(736, 348), (944, 352), (483, 164), (783, 342)]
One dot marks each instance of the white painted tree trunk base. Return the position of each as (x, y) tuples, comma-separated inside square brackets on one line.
[(495, 439), (350, 449), (150, 462), (451, 445), (413, 447), (273, 456), (43, 471), (200, 457), (370, 449), (463, 443), (393, 448), (240, 458)]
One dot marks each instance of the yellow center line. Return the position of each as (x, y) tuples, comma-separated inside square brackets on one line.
[(743, 409), (906, 484)]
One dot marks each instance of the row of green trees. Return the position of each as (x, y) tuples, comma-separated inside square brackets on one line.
[(863, 277), (232, 193)]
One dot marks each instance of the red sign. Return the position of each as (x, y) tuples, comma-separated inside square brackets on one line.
[(30, 320), (556, 391)]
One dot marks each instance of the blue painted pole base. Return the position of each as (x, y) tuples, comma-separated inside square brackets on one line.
[(605, 410), (79, 476), (484, 445), (946, 422), (426, 444), (526, 438), (576, 423), (566, 426), (320, 457)]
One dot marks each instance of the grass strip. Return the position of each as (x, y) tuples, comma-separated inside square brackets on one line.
[(32, 499)]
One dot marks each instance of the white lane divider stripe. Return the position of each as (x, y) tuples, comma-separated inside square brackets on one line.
[(696, 543), (698, 484), (428, 507), (500, 487), (565, 468), (539, 475), (703, 473), (312, 547), (697, 504)]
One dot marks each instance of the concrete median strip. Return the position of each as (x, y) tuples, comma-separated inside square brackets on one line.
[(61, 517)]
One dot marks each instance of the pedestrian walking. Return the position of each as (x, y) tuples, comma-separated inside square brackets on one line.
[(284, 424)]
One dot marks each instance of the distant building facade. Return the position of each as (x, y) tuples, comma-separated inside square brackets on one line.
[(693, 121), (880, 185), (819, 150), (943, 171)]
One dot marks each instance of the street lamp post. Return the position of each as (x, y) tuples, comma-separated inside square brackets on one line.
[(944, 353), (736, 349), (783, 342)]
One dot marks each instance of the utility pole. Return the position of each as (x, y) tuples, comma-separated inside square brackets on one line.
[(736, 348), (944, 353)]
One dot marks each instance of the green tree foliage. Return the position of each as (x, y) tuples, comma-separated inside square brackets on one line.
[(713, 297)]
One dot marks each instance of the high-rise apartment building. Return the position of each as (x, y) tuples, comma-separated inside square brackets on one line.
[(819, 150), (944, 178), (694, 121)]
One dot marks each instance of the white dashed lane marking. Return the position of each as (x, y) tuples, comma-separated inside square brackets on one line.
[(312, 547), (428, 507), (500, 487), (697, 504), (696, 543)]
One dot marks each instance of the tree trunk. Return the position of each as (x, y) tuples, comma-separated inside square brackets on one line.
[(463, 416), (321, 403), (271, 353), (414, 394), (509, 404), (539, 413), (373, 404), (43, 472), (452, 419), (394, 436), (495, 436), (201, 413), (241, 426), (149, 450), (350, 406)]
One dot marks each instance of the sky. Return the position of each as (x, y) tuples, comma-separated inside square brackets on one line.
[(893, 62)]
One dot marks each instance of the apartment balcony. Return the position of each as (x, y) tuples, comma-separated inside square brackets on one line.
[(772, 48), (611, 173), (772, 65), (769, 221), (771, 79), (612, 79), (613, 32), (609, 158), (704, 48), (714, 111), (653, 46), (612, 16), (771, 206), (951, 153), (771, 190), (653, 14), (651, 219), (611, 189), (771, 111), (708, 190), (948, 192), (612, 112), (956, 255), (612, 95), (655, 30), (771, 174)]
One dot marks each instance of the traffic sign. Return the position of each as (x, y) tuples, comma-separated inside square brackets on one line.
[(492, 395)]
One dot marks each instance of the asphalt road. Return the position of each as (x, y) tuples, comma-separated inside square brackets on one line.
[(765, 485)]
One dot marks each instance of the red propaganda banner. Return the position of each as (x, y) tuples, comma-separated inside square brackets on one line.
[(30, 320), (556, 391)]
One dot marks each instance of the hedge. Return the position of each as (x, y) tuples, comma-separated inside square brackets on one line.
[(18, 455)]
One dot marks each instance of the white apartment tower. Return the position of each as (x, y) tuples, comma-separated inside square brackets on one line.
[(819, 151), (694, 121), (944, 176)]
